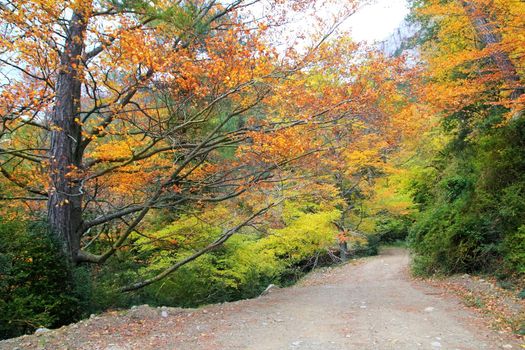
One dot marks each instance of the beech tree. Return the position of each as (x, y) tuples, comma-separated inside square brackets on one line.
[(80, 69), (111, 109)]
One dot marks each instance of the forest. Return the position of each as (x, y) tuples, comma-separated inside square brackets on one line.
[(184, 153)]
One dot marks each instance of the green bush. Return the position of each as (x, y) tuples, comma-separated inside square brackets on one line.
[(392, 228), (515, 250), (37, 285), (370, 248), (241, 268), (471, 212)]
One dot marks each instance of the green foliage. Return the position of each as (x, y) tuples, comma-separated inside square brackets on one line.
[(454, 186), (514, 247), (37, 286), (235, 271), (451, 242), (370, 248), (421, 190), (393, 228), (303, 237), (471, 211), (241, 268)]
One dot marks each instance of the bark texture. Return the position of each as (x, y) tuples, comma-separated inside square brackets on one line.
[(65, 198)]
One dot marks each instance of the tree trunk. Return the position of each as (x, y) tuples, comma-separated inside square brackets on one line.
[(65, 198), (488, 35), (343, 251)]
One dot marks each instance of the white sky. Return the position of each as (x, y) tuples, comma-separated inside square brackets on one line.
[(374, 21), (378, 20)]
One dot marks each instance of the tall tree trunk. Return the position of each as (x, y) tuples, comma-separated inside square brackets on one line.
[(489, 36), (65, 199)]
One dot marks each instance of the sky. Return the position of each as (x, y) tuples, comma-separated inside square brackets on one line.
[(377, 21), (374, 21)]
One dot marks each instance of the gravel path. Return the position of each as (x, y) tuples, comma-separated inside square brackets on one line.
[(371, 304)]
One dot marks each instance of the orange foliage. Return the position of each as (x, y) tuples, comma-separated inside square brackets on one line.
[(477, 54)]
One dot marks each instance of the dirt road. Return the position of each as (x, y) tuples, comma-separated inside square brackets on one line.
[(369, 305)]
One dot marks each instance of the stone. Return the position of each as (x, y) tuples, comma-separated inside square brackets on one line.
[(268, 289), (41, 330)]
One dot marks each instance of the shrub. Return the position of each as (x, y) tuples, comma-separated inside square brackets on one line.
[(393, 228), (515, 250), (241, 268), (371, 247), (37, 285), (472, 218)]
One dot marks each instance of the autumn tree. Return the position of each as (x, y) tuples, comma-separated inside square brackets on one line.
[(474, 53), (79, 69), (113, 109)]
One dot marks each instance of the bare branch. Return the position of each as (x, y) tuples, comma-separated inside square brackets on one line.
[(20, 184)]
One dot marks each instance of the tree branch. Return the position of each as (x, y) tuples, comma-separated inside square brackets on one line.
[(215, 244)]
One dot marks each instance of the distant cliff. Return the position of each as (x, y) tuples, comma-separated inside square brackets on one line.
[(398, 41)]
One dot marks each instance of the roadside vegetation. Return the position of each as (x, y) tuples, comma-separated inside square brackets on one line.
[(175, 154)]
